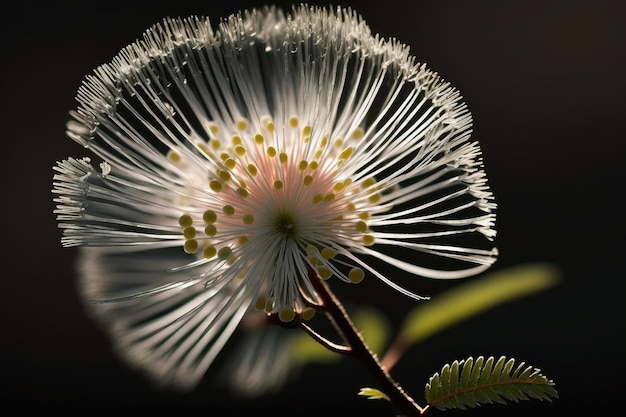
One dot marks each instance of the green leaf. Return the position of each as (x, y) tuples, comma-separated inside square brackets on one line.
[(486, 381), (475, 297), (373, 394)]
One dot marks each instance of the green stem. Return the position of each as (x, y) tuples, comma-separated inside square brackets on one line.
[(399, 399)]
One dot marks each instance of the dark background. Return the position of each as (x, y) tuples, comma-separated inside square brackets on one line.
[(545, 81)]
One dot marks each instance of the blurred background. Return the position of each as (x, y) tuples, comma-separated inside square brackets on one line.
[(546, 84)]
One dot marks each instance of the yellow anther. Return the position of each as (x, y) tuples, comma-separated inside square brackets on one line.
[(189, 232), (328, 253), (338, 187), (209, 251), (293, 121), (242, 192), (306, 130), (368, 182), (224, 156), (269, 305), (360, 226), (329, 197), (364, 215), (258, 138), (190, 246), (224, 253), (302, 165), (318, 154), (368, 240), (338, 142), (215, 186), (215, 144), (247, 219), (286, 315), (174, 156), (213, 128), (346, 153), (269, 125), (259, 304), (317, 198), (347, 182), (351, 206), (230, 163), (324, 272), (203, 148), (374, 198), (282, 157), (313, 165), (209, 216), (278, 184), (311, 250), (271, 151), (210, 230), (307, 180), (236, 139), (240, 150), (324, 141), (358, 133), (356, 275), (308, 313), (228, 210), (242, 125), (252, 169), (224, 175), (243, 240), (185, 220), (231, 260)]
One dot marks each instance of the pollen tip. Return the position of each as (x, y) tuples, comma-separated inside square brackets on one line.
[(368, 240), (209, 251), (224, 253), (324, 272), (358, 133), (209, 216), (185, 220), (307, 313), (286, 315), (259, 304), (242, 125), (215, 186), (189, 232), (230, 163), (356, 275), (210, 230), (190, 246)]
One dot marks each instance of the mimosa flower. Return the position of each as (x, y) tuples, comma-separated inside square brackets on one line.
[(228, 162)]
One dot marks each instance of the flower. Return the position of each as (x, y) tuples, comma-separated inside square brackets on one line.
[(226, 163)]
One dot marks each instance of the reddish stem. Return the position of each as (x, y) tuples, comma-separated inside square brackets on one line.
[(399, 399)]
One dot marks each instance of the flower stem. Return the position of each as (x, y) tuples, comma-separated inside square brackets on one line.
[(399, 399)]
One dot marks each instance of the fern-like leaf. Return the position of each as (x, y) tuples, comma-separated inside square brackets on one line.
[(470, 383)]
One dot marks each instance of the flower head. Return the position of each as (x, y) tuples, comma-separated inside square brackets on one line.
[(234, 160)]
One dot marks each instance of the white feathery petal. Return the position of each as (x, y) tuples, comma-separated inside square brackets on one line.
[(246, 154)]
